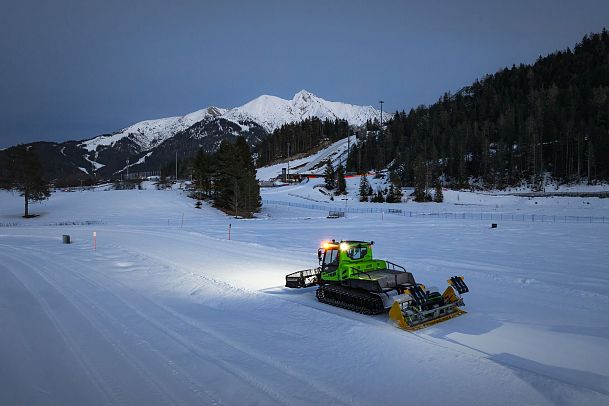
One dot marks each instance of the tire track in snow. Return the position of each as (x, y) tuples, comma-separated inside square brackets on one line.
[(116, 343), (319, 387), (99, 381), (445, 344), (198, 351), (485, 356), (141, 339)]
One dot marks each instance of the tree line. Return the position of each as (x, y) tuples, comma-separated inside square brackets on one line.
[(517, 125)]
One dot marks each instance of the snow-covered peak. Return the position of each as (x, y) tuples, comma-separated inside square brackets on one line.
[(150, 133), (303, 96), (272, 112)]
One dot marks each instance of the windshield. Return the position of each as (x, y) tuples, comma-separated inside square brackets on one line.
[(331, 257)]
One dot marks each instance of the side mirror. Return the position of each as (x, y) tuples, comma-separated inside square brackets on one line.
[(320, 255)]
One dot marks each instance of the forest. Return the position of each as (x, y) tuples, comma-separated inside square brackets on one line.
[(522, 124)]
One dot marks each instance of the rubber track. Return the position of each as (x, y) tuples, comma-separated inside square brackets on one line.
[(350, 299)]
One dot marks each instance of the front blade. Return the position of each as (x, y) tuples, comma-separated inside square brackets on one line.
[(419, 326)]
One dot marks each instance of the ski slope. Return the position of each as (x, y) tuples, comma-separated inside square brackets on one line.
[(315, 163), (167, 310)]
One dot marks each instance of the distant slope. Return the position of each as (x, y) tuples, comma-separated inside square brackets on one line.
[(315, 163)]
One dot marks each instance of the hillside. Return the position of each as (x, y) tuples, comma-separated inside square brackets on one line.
[(520, 124)]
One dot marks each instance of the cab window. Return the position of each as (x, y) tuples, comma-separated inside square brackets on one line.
[(331, 257), (357, 252)]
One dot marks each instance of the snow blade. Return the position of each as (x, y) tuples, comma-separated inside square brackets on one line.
[(410, 316)]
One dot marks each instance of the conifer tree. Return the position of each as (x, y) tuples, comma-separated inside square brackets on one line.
[(341, 182), (378, 197), (248, 185), (226, 175), (25, 176), (439, 196), (395, 194), (364, 188), (236, 188), (204, 167), (330, 176), (420, 179)]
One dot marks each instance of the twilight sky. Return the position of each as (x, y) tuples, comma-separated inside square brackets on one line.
[(73, 69)]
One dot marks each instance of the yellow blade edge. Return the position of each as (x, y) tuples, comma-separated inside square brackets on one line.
[(449, 295), (429, 323), (395, 314)]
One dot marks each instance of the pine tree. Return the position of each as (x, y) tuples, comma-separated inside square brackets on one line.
[(420, 179), (341, 182), (390, 194), (248, 185), (204, 168), (395, 194), (25, 176), (330, 176), (236, 189), (364, 188), (226, 176), (439, 196), (378, 197)]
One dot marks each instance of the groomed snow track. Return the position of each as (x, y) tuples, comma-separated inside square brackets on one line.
[(164, 315)]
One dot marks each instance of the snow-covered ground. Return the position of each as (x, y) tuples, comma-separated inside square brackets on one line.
[(167, 310), (493, 204)]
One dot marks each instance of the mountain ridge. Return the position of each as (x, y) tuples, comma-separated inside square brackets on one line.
[(270, 112), (150, 145)]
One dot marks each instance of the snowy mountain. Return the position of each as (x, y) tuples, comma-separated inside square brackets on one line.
[(272, 112), (150, 133), (151, 144), (269, 112)]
